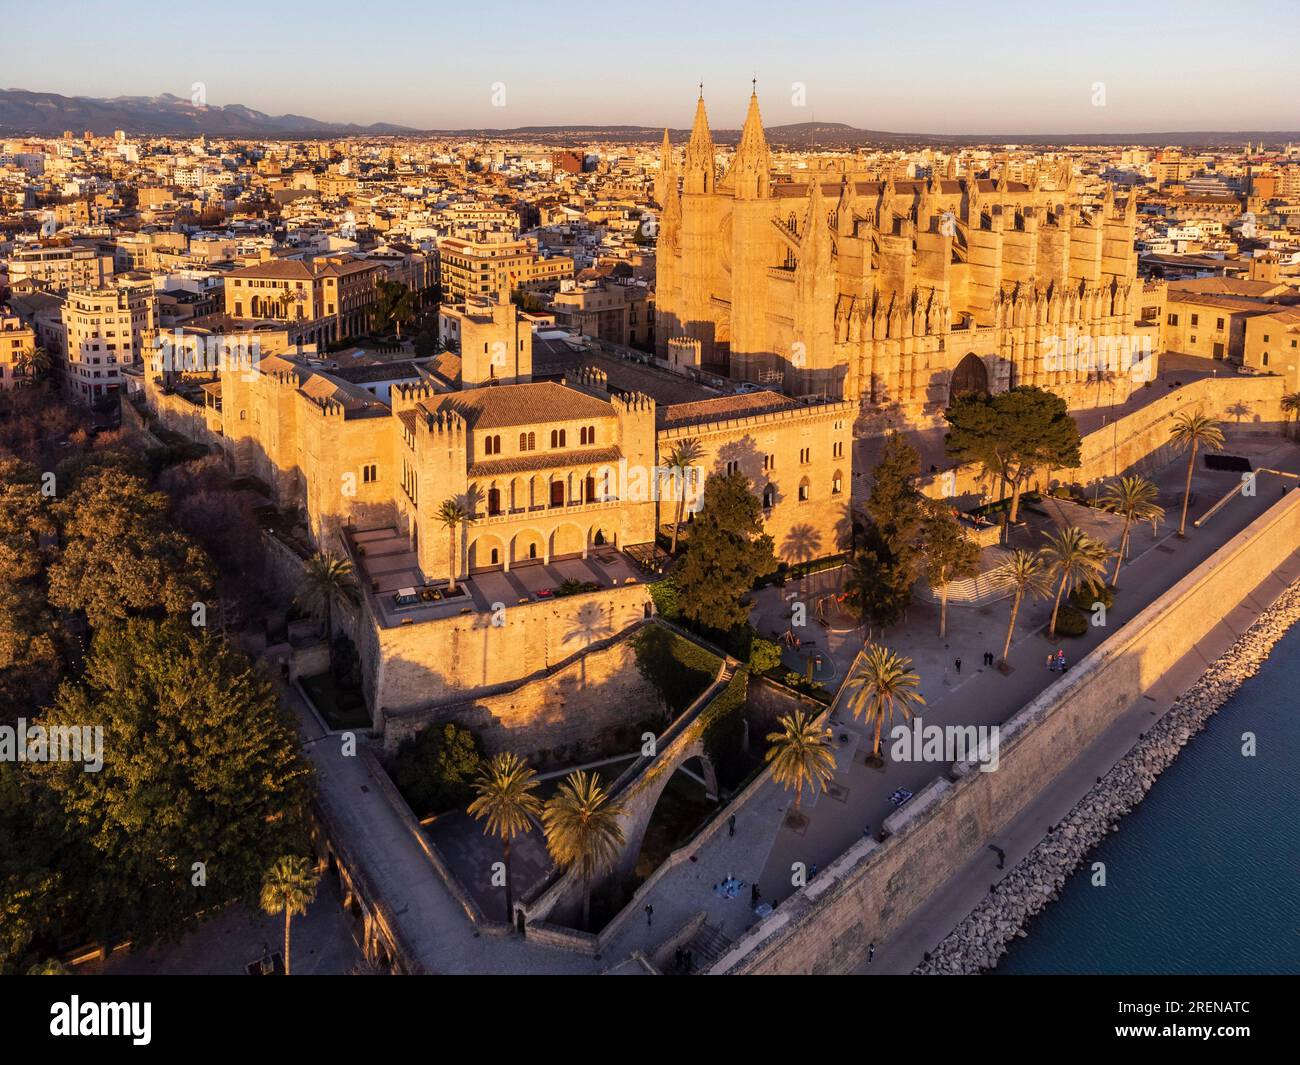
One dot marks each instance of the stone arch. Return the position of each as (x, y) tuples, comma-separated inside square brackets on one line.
[(602, 535), (568, 539), (643, 797), (528, 545), (487, 551), (970, 375)]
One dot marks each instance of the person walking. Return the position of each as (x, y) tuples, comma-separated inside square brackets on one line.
[(754, 895), (731, 825), (959, 667), (649, 915), (871, 953)]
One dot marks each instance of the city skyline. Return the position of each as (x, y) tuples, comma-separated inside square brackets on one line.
[(834, 65)]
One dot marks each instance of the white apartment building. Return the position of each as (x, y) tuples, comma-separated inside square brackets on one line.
[(60, 268), (107, 329)]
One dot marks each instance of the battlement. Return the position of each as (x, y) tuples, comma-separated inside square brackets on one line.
[(631, 402)]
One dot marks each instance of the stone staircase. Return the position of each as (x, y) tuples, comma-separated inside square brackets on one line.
[(706, 947)]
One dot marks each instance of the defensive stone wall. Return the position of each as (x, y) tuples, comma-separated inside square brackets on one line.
[(873, 888)]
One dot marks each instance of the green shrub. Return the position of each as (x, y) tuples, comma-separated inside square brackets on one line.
[(434, 770), (678, 669), (664, 595), (1086, 595), (1071, 621), (764, 656)]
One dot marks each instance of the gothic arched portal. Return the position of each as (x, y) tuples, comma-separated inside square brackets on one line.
[(971, 375)]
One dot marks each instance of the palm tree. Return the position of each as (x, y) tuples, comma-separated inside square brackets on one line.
[(881, 682), (452, 515), (800, 754), (1076, 558), (36, 363), (681, 458), (1189, 432), (289, 887), (48, 967), (1027, 572), (582, 830), (506, 801), (1290, 406), (1134, 499), (328, 584)]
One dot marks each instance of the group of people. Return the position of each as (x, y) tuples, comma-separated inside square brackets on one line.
[(1056, 662)]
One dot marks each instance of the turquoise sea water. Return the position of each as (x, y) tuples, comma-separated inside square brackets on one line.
[(1204, 875)]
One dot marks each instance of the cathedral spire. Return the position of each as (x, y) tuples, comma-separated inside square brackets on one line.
[(667, 174), (751, 169), (700, 175)]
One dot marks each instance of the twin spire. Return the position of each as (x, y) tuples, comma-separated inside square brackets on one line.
[(750, 173)]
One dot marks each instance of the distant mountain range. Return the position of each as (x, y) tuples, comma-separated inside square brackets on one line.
[(49, 114)]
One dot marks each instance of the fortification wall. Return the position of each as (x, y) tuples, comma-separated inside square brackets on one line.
[(872, 889)]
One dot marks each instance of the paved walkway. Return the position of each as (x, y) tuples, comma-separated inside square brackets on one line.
[(763, 849)]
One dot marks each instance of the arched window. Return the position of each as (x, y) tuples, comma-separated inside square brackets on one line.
[(1265, 361), (532, 441), (769, 497), (803, 490), (837, 483)]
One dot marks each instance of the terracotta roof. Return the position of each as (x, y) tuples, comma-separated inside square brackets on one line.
[(501, 406), (546, 460), (722, 408), (281, 269)]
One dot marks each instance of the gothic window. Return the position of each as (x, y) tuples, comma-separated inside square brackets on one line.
[(837, 483), (769, 497), (804, 488)]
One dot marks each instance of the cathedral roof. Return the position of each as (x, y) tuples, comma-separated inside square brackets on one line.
[(723, 408)]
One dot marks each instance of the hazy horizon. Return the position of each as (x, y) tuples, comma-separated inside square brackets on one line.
[(938, 67)]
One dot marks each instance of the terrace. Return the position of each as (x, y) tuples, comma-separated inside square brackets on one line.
[(390, 572)]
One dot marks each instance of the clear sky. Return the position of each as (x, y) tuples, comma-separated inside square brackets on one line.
[(941, 66)]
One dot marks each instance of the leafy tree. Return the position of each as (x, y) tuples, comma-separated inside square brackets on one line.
[(881, 682), (201, 764), (800, 754), (1076, 559), (681, 460), (289, 888), (948, 555), (436, 768), (121, 554), (29, 659), (895, 506), (727, 553), (1134, 499), (1027, 572), (505, 801), (582, 830), (1013, 435), (1189, 432)]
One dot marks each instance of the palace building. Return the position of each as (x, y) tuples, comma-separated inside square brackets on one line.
[(895, 294), (547, 469)]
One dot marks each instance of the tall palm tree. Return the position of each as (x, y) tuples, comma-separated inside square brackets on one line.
[(289, 887), (1076, 558), (452, 514), (1189, 432), (800, 754), (507, 803), (328, 584), (1290, 406), (1134, 499), (881, 682), (681, 458), (582, 830), (1027, 572)]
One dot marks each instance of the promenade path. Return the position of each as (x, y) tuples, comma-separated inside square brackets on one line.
[(763, 849)]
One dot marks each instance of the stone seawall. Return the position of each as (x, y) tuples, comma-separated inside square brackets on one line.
[(982, 938), (869, 893)]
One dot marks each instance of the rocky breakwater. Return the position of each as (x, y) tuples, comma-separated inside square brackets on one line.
[(981, 939)]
